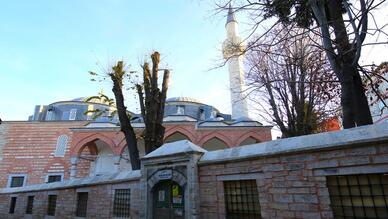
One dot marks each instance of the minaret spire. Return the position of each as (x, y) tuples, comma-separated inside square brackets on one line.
[(231, 17), (233, 51)]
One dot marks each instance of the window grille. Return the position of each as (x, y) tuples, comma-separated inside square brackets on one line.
[(52, 205), (73, 114), (12, 205), (17, 181), (54, 178), (241, 199), (82, 203), (359, 196), (121, 203), (30, 204), (61, 146)]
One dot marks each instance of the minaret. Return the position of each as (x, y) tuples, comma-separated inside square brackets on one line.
[(233, 50)]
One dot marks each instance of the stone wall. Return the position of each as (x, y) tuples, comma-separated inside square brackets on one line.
[(290, 175), (291, 183), (100, 201)]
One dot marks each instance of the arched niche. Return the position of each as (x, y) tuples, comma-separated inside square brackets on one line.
[(105, 159), (79, 146), (249, 140), (214, 144), (176, 136)]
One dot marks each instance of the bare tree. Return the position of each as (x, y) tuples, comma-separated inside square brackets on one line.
[(292, 83), (117, 76), (152, 106), (152, 102), (342, 26)]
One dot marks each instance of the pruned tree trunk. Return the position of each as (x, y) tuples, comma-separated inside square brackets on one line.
[(152, 103), (125, 123)]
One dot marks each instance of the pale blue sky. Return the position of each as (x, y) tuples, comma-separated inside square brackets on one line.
[(47, 48)]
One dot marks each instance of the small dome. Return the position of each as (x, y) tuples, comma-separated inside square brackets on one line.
[(183, 99), (93, 100), (81, 99)]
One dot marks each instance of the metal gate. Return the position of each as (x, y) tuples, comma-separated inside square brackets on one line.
[(168, 201)]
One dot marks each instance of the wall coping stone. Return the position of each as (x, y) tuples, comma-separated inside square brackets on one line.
[(321, 141), (80, 182), (177, 147)]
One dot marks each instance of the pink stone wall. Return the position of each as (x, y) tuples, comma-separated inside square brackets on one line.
[(289, 185), (100, 201)]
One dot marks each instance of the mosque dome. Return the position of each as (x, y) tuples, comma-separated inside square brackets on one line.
[(183, 99), (79, 99), (94, 100)]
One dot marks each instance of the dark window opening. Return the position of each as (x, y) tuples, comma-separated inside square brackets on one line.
[(30, 204), (121, 203), (82, 203), (17, 181), (52, 205), (12, 205), (241, 199), (54, 178), (201, 114), (359, 196)]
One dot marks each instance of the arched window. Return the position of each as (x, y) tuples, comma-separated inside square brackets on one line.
[(180, 110), (61, 146), (249, 140), (176, 136), (214, 144)]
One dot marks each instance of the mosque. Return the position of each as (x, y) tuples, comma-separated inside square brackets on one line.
[(60, 141), (62, 163)]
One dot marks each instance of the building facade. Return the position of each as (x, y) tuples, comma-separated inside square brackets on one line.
[(341, 174), (35, 152)]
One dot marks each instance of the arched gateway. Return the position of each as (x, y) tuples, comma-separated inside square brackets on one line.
[(169, 184)]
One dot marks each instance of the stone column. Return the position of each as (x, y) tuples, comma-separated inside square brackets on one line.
[(73, 168)]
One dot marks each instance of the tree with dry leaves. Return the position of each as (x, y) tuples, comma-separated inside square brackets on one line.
[(291, 83), (342, 27)]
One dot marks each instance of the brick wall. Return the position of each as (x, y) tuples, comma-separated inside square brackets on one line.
[(289, 185), (290, 173), (100, 201), (28, 148), (3, 140), (83, 165)]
